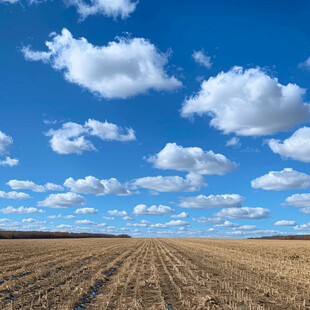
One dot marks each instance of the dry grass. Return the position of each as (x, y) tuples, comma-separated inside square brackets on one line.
[(154, 274)]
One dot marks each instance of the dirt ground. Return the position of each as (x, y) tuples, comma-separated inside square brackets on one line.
[(174, 274)]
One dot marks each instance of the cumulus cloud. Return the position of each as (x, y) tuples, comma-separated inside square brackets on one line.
[(117, 213), (243, 213), (211, 201), (14, 195), (69, 217), (299, 201), (121, 69), (29, 185), (192, 182), (247, 228), (192, 159), (227, 224), (85, 222), (302, 227), (109, 8), (86, 211), (181, 215), (209, 220), (285, 223), (65, 200), (5, 143), (20, 210), (177, 223), (92, 185), (9, 162), (158, 225), (143, 223), (153, 210), (248, 103), (296, 147), (72, 137), (282, 180), (201, 58)]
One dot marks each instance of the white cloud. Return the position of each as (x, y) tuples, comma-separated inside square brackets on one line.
[(72, 137), (14, 195), (211, 201), (305, 64), (29, 185), (108, 218), (4, 220), (5, 143), (285, 223), (201, 58), (247, 228), (121, 69), (142, 223), (248, 103), (118, 213), (192, 182), (20, 210), (299, 201), (243, 213), (109, 8), (302, 227), (54, 217), (177, 223), (69, 217), (86, 211), (64, 226), (153, 210), (65, 200), (9, 162), (31, 220), (85, 222), (158, 225), (234, 141), (181, 215), (296, 147), (227, 224), (210, 220), (282, 180), (192, 159), (92, 185), (127, 218)]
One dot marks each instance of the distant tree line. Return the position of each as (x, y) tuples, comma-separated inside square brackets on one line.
[(292, 237), (52, 235)]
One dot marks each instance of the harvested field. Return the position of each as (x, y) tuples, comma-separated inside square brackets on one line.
[(84, 274)]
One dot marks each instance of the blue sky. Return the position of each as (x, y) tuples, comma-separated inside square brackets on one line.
[(136, 117)]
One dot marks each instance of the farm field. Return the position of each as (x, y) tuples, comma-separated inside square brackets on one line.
[(68, 274)]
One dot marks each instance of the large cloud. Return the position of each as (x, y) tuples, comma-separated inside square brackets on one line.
[(121, 69), (243, 213), (248, 103), (192, 159), (29, 185), (282, 180), (153, 210), (92, 185), (211, 201), (109, 8), (14, 195), (65, 200), (192, 182), (296, 147), (71, 137)]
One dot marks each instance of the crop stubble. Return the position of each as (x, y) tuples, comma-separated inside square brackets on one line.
[(154, 274)]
